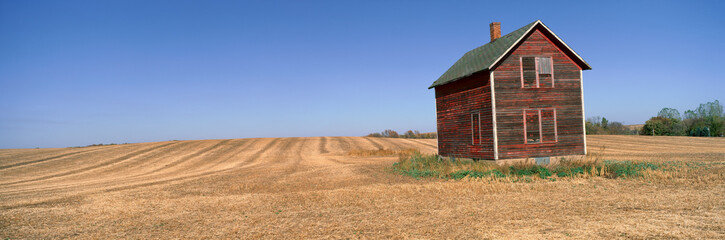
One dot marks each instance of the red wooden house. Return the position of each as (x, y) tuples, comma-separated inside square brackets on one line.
[(518, 96)]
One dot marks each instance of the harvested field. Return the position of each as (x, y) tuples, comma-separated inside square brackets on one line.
[(335, 187)]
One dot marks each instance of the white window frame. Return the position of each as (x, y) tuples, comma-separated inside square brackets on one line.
[(541, 131), (536, 67)]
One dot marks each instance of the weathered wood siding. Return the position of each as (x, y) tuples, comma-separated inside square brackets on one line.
[(512, 100), (454, 104)]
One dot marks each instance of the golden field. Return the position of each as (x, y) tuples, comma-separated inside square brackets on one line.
[(315, 188)]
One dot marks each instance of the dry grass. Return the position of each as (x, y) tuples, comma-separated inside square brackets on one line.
[(319, 188)]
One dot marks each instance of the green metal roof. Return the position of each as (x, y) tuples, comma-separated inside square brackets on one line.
[(484, 57)]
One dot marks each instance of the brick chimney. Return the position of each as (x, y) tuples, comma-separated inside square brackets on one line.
[(495, 30)]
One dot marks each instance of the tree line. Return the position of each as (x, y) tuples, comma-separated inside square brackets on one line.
[(707, 120), (408, 134), (600, 125)]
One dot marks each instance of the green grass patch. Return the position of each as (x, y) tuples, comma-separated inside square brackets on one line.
[(422, 166)]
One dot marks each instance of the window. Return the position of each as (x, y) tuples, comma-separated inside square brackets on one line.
[(540, 126), (548, 125), (537, 72), (545, 72), (476, 128), (533, 126), (528, 72)]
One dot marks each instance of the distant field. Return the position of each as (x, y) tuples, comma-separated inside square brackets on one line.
[(311, 188), (634, 126)]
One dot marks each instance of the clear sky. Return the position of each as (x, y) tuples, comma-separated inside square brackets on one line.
[(82, 72)]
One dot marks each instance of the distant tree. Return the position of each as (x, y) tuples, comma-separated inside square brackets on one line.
[(375, 135), (430, 135), (707, 120), (662, 126), (600, 125), (390, 134), (718, 127), (710, 109), (689, 114), (618, 128), (593, 125), (592, 128), (408, 134), (596, 120), (669, 113)]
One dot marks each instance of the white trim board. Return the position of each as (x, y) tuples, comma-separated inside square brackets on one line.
[(493, 117), (584, 120)]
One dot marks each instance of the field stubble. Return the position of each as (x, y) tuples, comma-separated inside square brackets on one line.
[(343, 187)]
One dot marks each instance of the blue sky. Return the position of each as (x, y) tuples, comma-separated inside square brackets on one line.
[(83, 72)]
